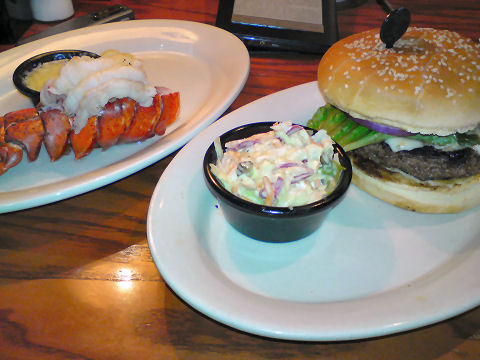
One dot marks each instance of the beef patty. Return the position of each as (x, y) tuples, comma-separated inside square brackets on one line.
[(425, 163)]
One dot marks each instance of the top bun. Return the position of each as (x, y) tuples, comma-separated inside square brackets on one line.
[(429, 82)]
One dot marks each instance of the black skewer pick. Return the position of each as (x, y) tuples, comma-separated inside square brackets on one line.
[(394, 25)]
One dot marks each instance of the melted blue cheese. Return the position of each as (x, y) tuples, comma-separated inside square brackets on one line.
[(405, 144), (402, 143)]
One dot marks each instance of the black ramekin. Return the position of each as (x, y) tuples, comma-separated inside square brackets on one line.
[(269, 223), (28, 65)]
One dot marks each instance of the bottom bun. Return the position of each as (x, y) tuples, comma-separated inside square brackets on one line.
[(402, 190)]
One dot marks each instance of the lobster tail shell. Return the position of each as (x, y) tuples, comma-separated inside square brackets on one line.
[(170, 108), (143, 122), (57, 128), (25, 127), (115, 118), (10, 155), (2, 130), (83, 142)]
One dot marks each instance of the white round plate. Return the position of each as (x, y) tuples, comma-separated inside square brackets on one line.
[(371, 269), (207, 65)]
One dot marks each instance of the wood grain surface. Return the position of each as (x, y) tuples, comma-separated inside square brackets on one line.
[(76, 277)]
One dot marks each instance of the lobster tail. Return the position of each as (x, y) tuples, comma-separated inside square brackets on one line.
[(121, 121)]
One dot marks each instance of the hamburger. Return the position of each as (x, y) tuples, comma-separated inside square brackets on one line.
[(407, 116)]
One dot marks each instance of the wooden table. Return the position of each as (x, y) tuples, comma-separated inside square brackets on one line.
[(62, 295)]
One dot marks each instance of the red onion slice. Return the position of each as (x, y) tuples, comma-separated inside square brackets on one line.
[(287, 165), (277, 187), (242, 145), (262, 193), (385, 129), (302, 176), (294, 129)]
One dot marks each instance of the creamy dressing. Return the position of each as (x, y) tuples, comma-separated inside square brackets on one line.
[(284, 167), (85, 85)]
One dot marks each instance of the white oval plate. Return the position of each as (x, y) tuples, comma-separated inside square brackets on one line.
[(372, 269), (207, 65)]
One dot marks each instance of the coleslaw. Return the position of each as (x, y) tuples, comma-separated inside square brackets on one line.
[(284, 167)]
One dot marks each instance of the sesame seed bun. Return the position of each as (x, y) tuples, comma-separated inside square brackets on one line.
[(429, 82)]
